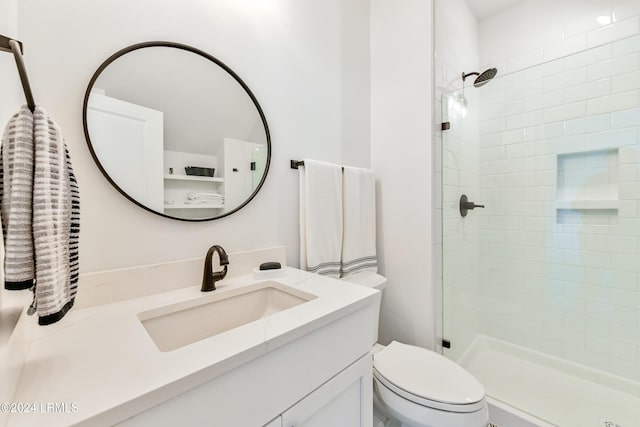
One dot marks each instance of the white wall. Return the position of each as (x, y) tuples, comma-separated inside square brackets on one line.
[(290, 52), (401, 131), (355, 56)]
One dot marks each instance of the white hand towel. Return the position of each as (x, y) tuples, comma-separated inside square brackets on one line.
[(359, 239), (320, 217)]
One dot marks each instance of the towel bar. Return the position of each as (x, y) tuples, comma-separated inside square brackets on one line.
[(295, 164)]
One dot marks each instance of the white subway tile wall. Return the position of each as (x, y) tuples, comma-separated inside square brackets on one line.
[(559, 239), (535, 31)]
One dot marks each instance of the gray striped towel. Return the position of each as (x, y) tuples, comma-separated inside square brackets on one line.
[(16, 190), (54, 223)]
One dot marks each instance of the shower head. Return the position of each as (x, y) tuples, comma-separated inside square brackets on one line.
[(483, 78)]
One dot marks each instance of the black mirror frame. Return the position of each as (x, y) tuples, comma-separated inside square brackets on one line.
[(237, 78)]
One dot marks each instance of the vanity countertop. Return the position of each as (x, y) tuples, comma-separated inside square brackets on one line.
[(99, 365)]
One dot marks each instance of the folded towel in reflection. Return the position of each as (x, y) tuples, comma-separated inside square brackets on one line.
[(205, 196)]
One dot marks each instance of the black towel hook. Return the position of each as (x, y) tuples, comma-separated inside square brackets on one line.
[(10, 45)]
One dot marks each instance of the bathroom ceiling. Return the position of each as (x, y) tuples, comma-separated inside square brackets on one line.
[(484, 8)]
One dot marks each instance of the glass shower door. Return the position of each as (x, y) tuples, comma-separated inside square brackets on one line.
[(460, 177)]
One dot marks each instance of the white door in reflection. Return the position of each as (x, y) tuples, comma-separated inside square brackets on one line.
[(122, 127)]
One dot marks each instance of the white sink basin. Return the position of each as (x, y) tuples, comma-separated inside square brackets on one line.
[(185, 323)]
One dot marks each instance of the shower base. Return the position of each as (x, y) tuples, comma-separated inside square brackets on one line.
[(548, 391)]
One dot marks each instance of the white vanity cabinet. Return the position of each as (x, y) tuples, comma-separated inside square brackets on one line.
[(322, 378), (343, 401)]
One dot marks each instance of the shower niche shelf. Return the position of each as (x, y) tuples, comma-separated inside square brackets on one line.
[(588, 204), (587, 188)]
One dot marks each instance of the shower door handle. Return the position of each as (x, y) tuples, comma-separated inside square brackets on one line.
[(466, 205)]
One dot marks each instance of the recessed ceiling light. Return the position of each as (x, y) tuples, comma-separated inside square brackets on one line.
[(603, 20)]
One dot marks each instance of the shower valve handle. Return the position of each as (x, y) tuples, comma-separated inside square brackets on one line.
[(471, 205), (466, 205)]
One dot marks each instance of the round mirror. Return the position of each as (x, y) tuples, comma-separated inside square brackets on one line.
[(176, 131)]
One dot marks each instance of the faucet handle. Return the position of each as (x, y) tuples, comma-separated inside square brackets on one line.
[(219, 275)]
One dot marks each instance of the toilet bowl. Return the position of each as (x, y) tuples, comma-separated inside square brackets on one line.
[(416, 387), (421, 388)]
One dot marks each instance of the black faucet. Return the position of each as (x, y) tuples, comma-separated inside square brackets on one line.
[(209, 278)]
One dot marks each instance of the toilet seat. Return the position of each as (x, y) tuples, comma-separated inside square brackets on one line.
[(428, 379)]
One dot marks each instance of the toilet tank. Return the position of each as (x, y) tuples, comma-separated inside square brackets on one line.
[(374, 281)]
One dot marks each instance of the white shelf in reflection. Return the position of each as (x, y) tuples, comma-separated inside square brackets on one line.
[(193, 178)]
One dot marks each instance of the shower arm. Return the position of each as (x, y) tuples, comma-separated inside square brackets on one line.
[(465, 75)]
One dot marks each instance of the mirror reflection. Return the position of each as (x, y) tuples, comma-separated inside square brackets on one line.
[(176, 131)]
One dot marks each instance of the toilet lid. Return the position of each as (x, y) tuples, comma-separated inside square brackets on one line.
[(427, 378)]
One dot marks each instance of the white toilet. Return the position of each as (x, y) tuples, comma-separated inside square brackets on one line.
[(416, 387)]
